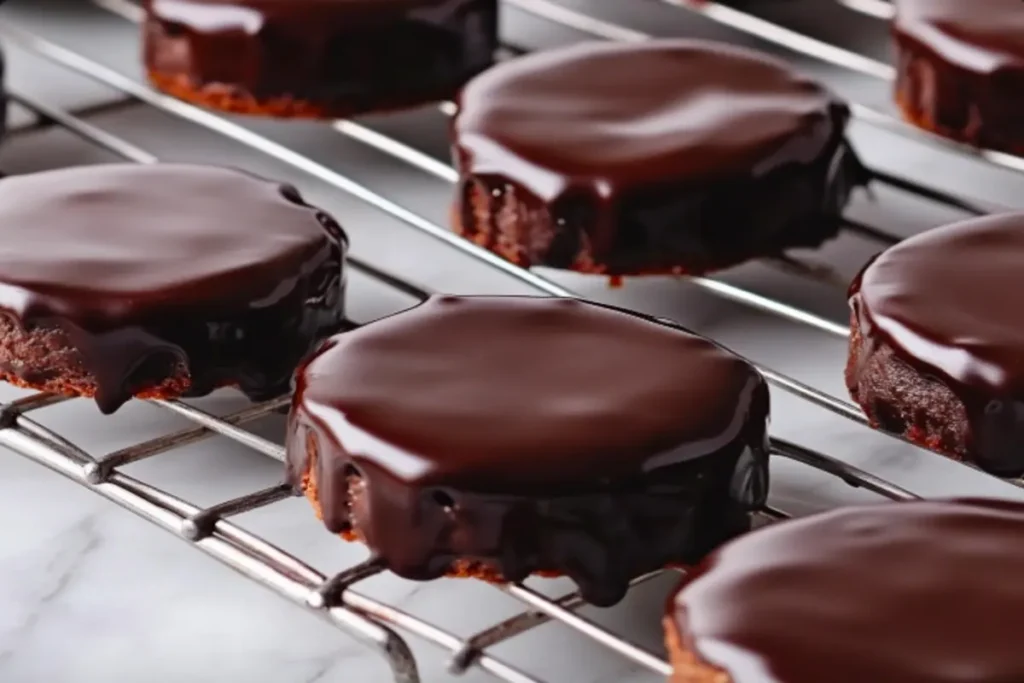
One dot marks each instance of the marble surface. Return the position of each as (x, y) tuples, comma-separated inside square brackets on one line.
[(90, 593)]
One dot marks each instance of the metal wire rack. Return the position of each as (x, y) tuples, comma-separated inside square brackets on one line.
[(336, 597)]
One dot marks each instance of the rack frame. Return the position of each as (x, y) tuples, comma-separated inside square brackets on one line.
[(336, 598)]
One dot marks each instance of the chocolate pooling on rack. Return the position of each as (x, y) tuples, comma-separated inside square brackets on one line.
[(162, 281), (937, 351), (960, 69), (504, 436), (662, 156), (918, 592), (317, 58)]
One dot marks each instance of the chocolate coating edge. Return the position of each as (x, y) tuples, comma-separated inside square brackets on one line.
[(601, 539), (907, 395), (945, 97), (337, 61), (897, 398), (536, 209), (253, 346), (679, 230), (909, 598)]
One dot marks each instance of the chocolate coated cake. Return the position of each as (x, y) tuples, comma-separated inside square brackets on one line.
[(497, 437), (316, 58), (673, 156), (960, 69), (162, 281), (937, 348), (919, 592)]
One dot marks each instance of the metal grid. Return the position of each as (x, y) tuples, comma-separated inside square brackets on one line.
[(371, 621)]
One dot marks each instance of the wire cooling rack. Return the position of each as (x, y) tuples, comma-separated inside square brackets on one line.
[(337, 598)]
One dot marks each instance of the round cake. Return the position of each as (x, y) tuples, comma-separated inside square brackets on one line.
[(667, 156), (497, 437), (919, 592), (162, 281), (937, 347), (317, 58), (960, 69)]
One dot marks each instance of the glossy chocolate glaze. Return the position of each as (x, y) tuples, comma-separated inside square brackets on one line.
[(945, 302), (961, 68), (667, 149), (144, 267), (356, 53), (921, 592), (531, 435)]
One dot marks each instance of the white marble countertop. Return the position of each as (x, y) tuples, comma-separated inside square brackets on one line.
[(89, 593)]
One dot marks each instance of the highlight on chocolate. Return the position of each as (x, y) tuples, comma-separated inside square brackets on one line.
[(500, 437)]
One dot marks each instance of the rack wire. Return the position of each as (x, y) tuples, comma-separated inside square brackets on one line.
[(879, 9), (565, 17), (336, 598)]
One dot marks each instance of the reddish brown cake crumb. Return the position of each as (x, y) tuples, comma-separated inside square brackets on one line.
[(937, 341), (162, 281), (46, 360), (717, 155), (960, 69), (898, 399), (316, 58), (503, 437)]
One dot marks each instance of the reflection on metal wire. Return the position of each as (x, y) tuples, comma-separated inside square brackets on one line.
[(208, 529)]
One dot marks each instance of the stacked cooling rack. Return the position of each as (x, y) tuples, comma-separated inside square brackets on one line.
[(395, 169)]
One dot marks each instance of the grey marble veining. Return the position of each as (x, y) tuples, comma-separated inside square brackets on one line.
[(89, 593)]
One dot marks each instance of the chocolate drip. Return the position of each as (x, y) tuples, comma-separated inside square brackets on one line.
[(961, 68), (922, 592), (339, 54), (945, 302), (518, 435), (715, 155), (154, 273)]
